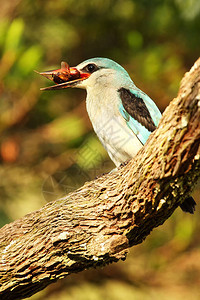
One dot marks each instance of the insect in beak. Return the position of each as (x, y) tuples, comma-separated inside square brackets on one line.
[(64, 77)]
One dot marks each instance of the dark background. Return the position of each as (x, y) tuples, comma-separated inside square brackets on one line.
[(47, 147)]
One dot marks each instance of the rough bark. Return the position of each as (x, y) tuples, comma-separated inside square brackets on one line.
[(98, 223)]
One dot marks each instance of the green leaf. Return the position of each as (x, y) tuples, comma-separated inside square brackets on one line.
[(3, 31), (29, 59), (14, 36)]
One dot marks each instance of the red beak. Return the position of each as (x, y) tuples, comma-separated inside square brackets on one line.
[(64, 77)]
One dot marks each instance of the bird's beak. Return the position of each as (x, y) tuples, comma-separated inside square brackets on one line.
[(64, 77)]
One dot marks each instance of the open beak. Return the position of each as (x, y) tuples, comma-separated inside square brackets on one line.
[(64, 77)]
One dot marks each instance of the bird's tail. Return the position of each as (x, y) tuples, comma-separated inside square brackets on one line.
[(188, 205)]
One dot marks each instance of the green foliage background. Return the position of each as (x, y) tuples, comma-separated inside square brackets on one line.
[(47, 146)]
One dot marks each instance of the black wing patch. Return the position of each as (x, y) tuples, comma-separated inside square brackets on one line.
[(136, 107)]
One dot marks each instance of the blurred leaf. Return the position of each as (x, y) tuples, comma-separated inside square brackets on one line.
[(4, 219), (189, 9), (14, 36), (3, 30), (135, 40), (59, 33), (152, 63), (90, 154), (66, 128), (184, 231), (29, 60), (124, 9), (164, 17)]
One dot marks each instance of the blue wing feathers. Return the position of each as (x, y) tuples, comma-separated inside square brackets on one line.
[(139, 130)]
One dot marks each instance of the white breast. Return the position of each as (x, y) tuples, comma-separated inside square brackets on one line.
[(117, 138)]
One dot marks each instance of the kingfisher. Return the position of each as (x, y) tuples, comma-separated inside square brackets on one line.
[(122, 115)]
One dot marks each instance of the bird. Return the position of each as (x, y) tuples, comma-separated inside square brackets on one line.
[(122, 115)]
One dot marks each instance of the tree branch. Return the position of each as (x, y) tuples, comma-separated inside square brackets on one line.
[(98, 223)]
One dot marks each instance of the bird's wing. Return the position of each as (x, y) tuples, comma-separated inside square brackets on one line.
[(139, 111)]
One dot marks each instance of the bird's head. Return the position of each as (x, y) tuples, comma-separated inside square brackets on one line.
[(95, 72)]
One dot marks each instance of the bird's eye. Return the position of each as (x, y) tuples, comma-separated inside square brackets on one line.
[(91, 68)]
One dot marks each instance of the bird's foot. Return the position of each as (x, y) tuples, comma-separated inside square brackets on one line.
[(124, 163)]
